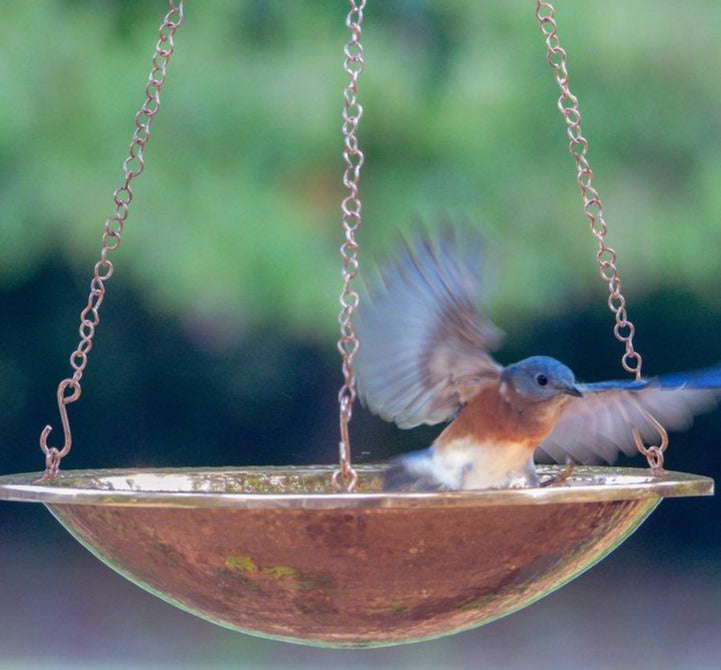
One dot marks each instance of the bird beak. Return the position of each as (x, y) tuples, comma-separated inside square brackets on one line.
[(571, 389)]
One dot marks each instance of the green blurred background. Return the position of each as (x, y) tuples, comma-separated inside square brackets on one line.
[(217, 340)]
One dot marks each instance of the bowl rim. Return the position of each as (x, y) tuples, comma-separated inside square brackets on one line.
[(141, 487)]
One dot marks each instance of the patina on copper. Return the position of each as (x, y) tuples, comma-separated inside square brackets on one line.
[(274, 552)]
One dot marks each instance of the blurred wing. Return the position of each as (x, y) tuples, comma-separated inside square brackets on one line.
[(598, 426), (423, 342)]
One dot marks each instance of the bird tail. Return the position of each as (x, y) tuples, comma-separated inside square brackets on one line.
[(411, 471)]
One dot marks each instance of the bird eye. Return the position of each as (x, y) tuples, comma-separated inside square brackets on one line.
[(542, 380)]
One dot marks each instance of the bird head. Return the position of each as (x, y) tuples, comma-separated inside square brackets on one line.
[(540, 378)]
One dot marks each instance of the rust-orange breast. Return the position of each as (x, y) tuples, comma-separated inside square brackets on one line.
[(493, 417)]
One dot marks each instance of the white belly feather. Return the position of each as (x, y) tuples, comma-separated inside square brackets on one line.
[(466, 464)]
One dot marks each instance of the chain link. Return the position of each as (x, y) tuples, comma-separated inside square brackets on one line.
[(69, 389), (345, 478), (623, 329)]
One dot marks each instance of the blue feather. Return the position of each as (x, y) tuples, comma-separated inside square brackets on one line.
[(615, 384), (709, 378)]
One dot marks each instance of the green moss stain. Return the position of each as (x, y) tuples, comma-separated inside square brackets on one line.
[(473, 604), (282, 577), (243, 564), (282, 572)]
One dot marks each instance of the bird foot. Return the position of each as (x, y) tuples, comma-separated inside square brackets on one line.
[(561, 478)]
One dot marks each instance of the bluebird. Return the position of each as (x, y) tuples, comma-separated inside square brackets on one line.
[(424, 359)]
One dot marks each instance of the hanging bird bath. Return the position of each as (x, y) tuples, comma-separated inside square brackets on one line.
[(322, 557), (277, 553)]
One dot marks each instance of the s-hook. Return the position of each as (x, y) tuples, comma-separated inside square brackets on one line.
[(53, 455)]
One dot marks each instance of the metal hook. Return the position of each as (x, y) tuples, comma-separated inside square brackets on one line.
[(653, 453), (52, 454)]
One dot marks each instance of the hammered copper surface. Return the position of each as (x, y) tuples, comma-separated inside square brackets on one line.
[(365, 571)]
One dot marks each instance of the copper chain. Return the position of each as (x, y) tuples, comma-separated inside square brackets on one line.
[(623, 329), (345, 477), (69, 389)]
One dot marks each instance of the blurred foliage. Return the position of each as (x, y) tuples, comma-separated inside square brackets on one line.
[(233, 234), (235, 224)]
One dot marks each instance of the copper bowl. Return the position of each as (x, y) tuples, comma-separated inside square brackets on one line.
[(273, 552)]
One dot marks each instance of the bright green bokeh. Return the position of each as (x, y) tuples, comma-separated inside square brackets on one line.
[(236, 219)]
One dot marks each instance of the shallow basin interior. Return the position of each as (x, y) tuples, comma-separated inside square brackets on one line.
[(310, 479), (310, 487)]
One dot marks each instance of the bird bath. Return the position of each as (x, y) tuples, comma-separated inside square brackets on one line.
[(274, 552)]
